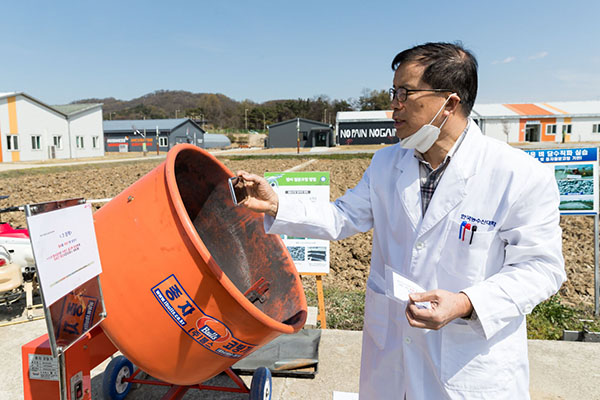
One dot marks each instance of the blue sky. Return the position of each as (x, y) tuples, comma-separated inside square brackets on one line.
[(63, 51)]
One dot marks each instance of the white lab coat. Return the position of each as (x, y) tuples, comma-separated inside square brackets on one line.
[(513, 262)]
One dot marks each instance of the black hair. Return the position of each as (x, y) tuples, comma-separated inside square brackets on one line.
[(447, 66)]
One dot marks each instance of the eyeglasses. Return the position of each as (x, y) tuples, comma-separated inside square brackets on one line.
[(401, 94)]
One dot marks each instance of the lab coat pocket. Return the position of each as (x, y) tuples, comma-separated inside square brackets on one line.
[(471, 363), (376, 316), (465, 253)]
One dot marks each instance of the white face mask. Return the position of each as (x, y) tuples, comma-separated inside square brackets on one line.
[(425, 137)]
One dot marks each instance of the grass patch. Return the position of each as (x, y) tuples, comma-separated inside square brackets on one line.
[(345, 310), (549, 318)]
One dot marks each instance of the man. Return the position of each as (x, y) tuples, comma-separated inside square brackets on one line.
[(471, 220)]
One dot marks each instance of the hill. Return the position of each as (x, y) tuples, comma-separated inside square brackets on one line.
[(217, 111)]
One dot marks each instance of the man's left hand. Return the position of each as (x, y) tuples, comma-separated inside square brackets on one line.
[(445, 307)]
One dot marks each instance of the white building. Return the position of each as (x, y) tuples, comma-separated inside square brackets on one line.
[(552, 122), (34, 131)]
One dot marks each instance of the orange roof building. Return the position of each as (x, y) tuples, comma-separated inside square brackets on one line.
[(551, 122)]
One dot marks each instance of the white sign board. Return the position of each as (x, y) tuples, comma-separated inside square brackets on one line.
[(309, 255), (65, 249)]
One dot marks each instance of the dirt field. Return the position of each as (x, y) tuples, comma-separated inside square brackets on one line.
[(349, 258)]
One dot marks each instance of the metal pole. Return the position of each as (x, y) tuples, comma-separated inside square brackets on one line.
[(298, 135), (144, 148), (596, 271), (62, 374)]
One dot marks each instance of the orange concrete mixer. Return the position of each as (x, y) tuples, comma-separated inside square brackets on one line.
[(192, 283)]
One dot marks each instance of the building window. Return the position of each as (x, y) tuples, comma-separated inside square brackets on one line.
[(57, 141), (36, 142), (12, 142), (163, 141), (566, 129), (596, 128), (79, 142), (551, 129), (95, 140)]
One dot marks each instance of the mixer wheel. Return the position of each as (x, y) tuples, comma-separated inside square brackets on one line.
[(260, 388), (113, 386)]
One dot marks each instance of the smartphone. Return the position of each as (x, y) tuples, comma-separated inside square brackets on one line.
[(238, 190)]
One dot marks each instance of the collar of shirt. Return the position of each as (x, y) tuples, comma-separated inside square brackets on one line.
[(450, 154), (429, 178)]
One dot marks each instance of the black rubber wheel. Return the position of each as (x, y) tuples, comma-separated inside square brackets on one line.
[(260, 387), (113, 387)]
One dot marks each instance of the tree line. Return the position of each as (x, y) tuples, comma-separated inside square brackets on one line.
[(215, 111)]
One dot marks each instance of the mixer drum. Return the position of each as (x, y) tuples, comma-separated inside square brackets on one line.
[(192, 283)]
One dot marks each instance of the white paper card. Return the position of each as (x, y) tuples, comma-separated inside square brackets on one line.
[(399, 287), (65, 249)]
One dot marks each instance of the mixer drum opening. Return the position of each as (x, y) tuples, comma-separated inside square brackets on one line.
[(235, 238)]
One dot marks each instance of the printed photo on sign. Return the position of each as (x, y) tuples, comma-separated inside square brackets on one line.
[(576, 186), (298, 253), (317, 253)]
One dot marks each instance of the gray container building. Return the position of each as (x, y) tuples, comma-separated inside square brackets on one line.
[(128, 135), (311, 134)]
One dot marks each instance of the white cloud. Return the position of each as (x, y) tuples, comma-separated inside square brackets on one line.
[(577, 85), (539, 55), (577, 78), (505, 61)]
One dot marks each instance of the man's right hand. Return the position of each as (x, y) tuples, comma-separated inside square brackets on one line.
[(261, 196)]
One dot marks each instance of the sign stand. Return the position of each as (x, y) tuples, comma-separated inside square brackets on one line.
[(320, 297), (576, 174), (311, 256), (596, 269), (68, 267)]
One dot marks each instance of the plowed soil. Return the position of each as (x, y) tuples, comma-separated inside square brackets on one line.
[(349, 258)]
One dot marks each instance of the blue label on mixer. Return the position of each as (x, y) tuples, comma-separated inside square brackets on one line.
[(209, 332)]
